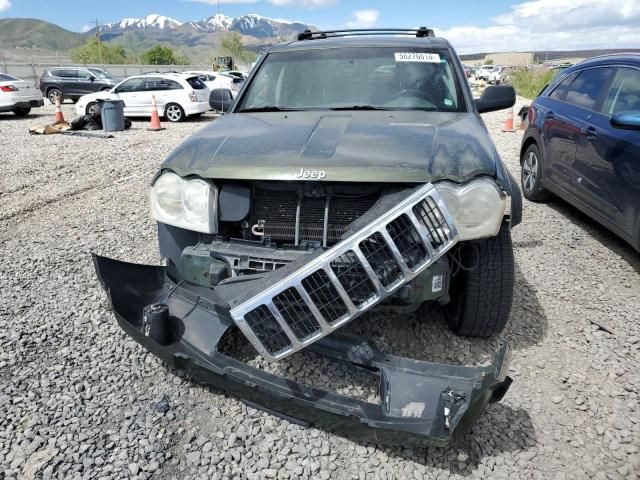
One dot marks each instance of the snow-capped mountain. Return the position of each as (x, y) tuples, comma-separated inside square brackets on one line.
[(217, 23), (154, 21), (251, 25)]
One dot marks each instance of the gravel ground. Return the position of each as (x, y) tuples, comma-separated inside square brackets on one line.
[(79, 399)]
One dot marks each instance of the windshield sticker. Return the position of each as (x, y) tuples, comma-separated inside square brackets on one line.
[(421, 57)]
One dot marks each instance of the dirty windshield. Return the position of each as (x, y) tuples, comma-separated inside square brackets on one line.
[(356, 78)]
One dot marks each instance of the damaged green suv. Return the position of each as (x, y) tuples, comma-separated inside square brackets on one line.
[(353, 173)]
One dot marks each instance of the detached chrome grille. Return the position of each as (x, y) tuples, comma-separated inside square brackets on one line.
[(348, 279)]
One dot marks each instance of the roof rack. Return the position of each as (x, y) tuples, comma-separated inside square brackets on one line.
[(420, 33)]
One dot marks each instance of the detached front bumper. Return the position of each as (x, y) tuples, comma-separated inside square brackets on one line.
[(422, 403)]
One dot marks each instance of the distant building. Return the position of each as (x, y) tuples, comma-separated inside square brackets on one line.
[(513, 59)]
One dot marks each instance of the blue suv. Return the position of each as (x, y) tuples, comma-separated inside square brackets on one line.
[(582, 142)]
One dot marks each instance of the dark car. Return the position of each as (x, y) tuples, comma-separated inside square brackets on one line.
[(352, 174), (74, 82), (582, 142)]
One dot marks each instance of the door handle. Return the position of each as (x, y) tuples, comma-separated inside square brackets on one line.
[(590, 133)]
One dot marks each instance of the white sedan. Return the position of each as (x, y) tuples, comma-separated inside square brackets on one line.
[(18, 96), (177, 96)]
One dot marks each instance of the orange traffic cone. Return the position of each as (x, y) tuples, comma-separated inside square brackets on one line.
[(508, 123), (154, 126), (59, 116)]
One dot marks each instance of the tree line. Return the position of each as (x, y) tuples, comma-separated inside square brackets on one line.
[(96, 52)]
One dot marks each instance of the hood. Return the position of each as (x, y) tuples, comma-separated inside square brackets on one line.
[(362, 146)]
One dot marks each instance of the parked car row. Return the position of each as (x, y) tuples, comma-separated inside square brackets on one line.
[(178, 95)]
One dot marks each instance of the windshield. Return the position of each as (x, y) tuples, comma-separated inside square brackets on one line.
[(385, 78), (101, 73)]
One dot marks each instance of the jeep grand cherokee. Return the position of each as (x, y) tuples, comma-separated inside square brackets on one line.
[(353, 173)]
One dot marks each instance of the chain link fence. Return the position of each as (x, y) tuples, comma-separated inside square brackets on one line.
[(33, 71)]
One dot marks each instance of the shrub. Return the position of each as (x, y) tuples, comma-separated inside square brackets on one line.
[(529, 83)]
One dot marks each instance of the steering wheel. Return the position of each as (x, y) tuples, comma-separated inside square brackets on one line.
[(409, 92)]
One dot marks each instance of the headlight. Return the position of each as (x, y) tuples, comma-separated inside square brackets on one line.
[(189, 204), (477, 208)]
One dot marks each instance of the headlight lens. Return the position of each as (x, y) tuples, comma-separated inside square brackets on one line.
[(477, 208), (189, 204)]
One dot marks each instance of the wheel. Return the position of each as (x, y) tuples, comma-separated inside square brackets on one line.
[(481, 293), (174, 112), (531, 177), (22, 112), (92, 108), (53, 94)]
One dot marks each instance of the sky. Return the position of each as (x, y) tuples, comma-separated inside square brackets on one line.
[(470, 25)]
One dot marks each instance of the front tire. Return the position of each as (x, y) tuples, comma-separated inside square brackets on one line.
[(174, 113), (22, 112), (531, 176), (481, 297)]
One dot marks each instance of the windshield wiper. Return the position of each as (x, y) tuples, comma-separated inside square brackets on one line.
[(360, 107), (269, 108)]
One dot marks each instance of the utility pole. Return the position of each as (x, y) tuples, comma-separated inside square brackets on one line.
[(131, 44), (99, 44)]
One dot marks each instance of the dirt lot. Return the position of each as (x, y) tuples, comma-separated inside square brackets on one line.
[(79, 399)]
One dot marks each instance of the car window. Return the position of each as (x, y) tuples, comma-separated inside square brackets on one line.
[(196, 83), (7, 78), (342, 78), (560, 91), (588, 86), (131, 85), (624, 94), (101, 73), (155, 84), (85, 75), (66, 73), (172, 85)]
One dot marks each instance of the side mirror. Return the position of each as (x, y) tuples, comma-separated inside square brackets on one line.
[(626, 120), (497, 97), (93, 79), (221, 100)]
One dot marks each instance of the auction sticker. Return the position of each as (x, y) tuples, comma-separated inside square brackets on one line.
[(421, 57)]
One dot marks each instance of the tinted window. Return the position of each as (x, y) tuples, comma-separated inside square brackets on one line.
[(561, 90), (131, 85), (68, 73), (4, 77), (173, 85), (624, 94), (196, 83), (394, 78), (83, 74), (587, 87), (154, 84), (101, 73)]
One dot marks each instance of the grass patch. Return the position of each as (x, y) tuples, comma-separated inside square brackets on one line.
[(528, 83)]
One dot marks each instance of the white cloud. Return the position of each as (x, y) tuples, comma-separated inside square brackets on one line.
[(86, 28), (303, 3), (363, 19), (5, 5), (553, 25)]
